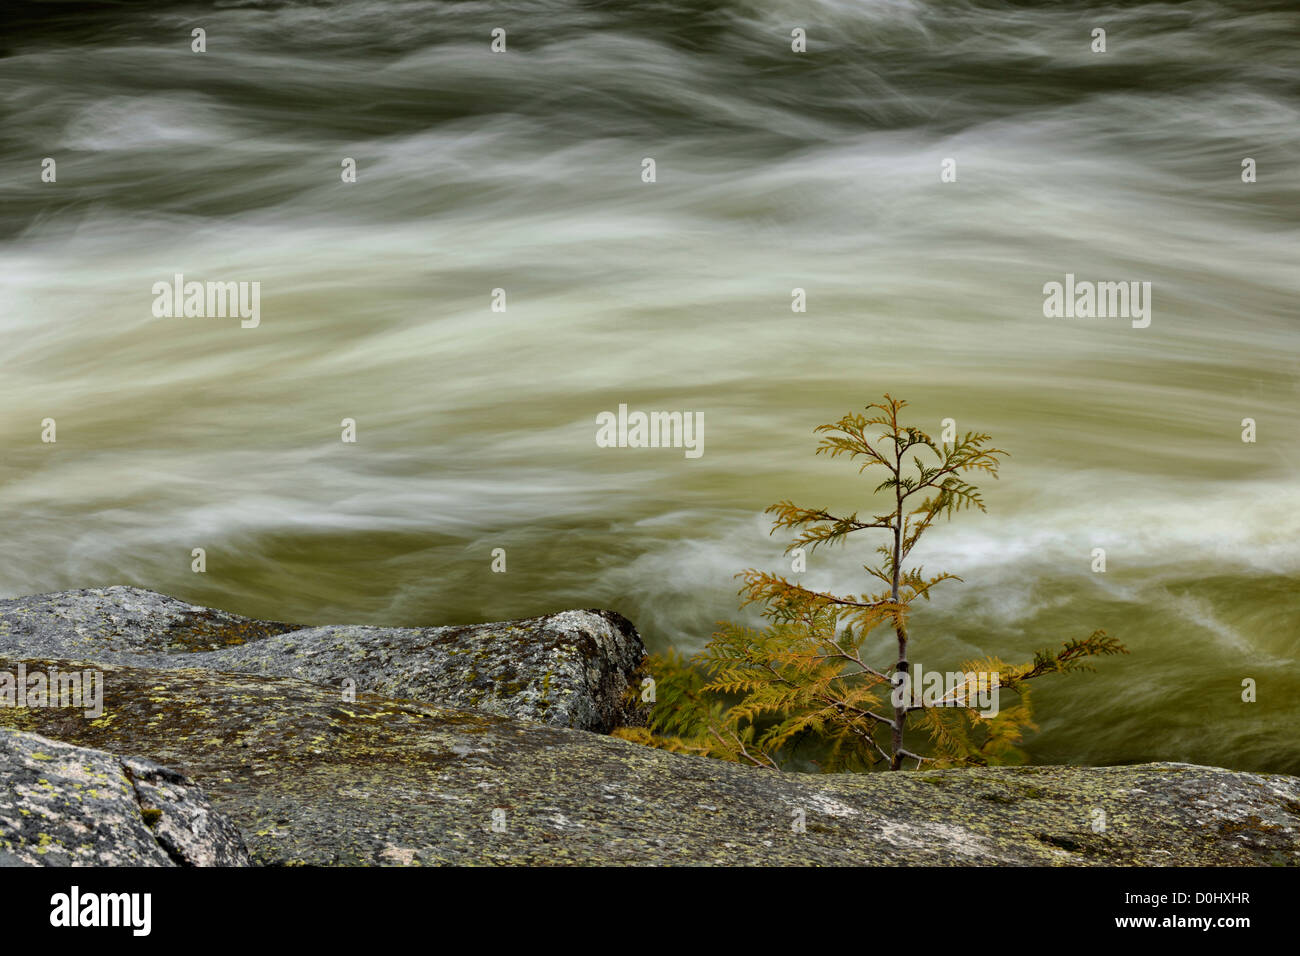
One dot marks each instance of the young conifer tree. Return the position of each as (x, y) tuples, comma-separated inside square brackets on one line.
[(752, 696)]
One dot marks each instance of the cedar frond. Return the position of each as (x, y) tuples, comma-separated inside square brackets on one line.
[(759, 696)]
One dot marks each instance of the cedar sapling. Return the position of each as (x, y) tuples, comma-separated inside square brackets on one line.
[(757, 696)]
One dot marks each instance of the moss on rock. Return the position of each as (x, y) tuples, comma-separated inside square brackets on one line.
[(310, 779)]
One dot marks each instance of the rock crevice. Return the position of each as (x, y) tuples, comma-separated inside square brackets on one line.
[(63, 805)]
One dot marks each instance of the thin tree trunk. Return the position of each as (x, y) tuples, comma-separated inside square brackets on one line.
[(900, 713)]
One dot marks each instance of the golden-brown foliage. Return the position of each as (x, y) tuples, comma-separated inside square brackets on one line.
[(758, 696)]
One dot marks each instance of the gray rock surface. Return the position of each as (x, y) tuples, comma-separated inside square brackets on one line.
[(253, 713), (570, 669), (379, 781), (63, 805)]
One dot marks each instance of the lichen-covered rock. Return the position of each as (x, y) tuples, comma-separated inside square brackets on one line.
[(131, 622), (378, 781), (182, 819), (570, 669), (63, 805)]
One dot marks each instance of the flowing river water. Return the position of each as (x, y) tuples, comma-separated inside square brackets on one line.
[(774, 171)]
